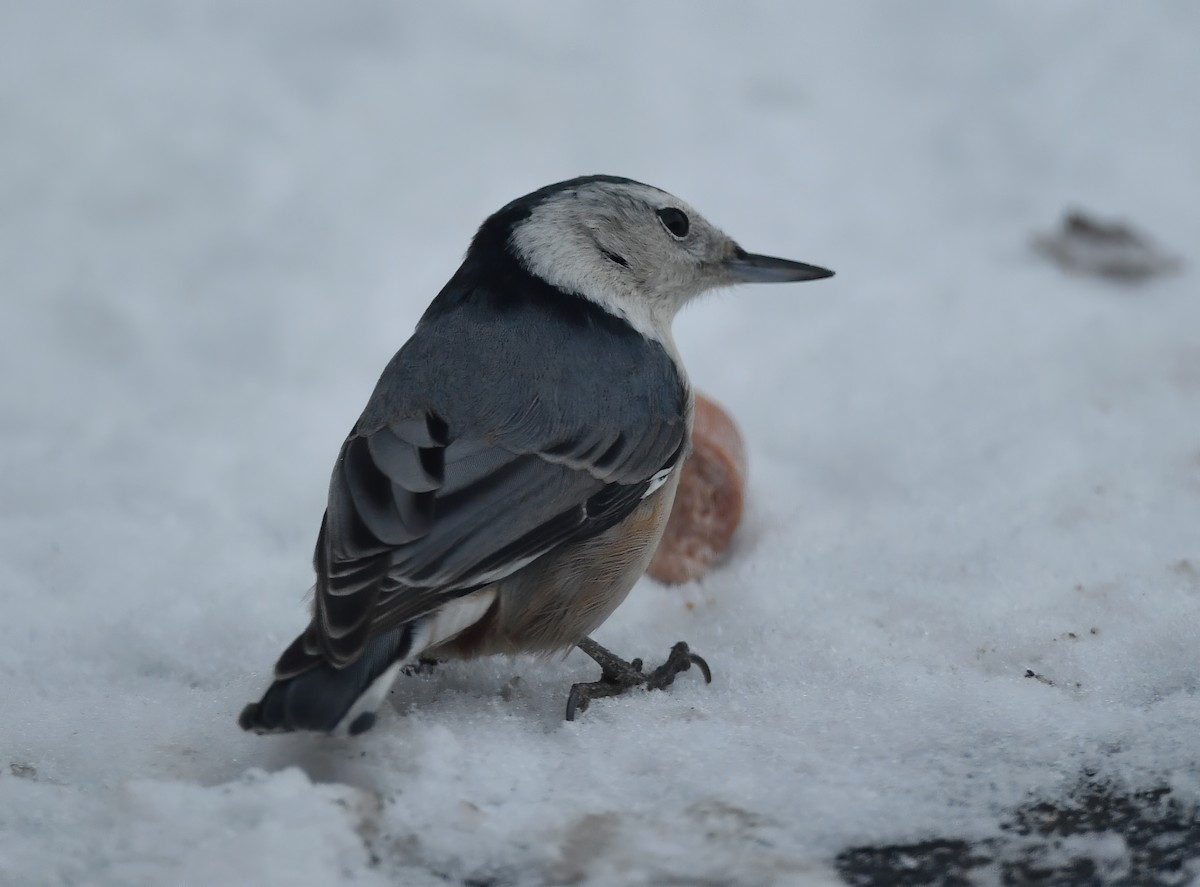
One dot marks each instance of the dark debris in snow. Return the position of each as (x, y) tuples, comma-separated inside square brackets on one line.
[(1100, 833), (1112, 250)]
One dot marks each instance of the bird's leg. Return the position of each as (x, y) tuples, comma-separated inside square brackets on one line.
[(617, 675)]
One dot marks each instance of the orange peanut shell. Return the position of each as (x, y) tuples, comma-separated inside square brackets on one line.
[(709, 502)]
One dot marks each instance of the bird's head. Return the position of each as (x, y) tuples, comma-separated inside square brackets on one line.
[(639, 252)]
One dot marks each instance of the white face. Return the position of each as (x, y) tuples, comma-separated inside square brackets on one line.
[(637, 251)]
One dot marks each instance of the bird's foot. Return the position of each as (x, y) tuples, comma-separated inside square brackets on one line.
[(618, 676), (421, 666)]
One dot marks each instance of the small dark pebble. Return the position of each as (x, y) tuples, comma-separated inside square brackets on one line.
[(1030, 673)]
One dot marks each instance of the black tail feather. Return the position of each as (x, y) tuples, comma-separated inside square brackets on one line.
[(318, 699)]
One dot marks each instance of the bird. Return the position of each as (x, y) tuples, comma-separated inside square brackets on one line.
[(512, 472)]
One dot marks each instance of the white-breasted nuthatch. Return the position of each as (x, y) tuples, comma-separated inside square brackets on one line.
[(512, 473)]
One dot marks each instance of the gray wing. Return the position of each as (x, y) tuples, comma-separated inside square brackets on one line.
[(428, 504)]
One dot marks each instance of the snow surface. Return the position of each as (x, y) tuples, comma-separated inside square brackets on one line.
[(220, 219)]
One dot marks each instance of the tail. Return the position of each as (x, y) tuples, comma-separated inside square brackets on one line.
[(333, 700)]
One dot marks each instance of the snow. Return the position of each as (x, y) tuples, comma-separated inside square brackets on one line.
[(221, 219)]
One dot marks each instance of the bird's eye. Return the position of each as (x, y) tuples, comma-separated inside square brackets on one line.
[(675, 221)]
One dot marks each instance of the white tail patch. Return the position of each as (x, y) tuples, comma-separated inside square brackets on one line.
[(370, 699), (449, 620)]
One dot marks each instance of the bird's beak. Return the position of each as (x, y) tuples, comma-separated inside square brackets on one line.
[(746, 267)]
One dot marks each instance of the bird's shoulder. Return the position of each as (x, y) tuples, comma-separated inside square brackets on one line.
[(498, 345)]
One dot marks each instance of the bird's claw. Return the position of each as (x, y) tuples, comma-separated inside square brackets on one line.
[(421, 667), (577, 700), (680, 659), (618, 676)]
